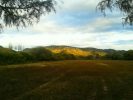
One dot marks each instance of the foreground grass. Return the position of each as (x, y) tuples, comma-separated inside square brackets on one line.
[(68, 80)]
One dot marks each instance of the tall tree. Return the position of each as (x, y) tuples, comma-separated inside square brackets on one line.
[(23, 12), (125, 6)]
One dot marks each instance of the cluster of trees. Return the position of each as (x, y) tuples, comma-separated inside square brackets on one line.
[(120, 55), (9, 56)]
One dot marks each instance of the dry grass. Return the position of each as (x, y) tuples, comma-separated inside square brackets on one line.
[(68, 80)]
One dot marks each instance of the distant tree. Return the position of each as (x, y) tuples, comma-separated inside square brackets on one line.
[(66, 56), (10, 46), (90, 57), (128, 55), (41, 54), (125, 6), (116, 55), (23, 12), (20, 48)]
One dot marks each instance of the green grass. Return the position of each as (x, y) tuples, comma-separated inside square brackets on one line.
[(68, 80)]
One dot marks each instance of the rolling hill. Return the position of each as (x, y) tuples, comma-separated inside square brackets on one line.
[(76, 51)]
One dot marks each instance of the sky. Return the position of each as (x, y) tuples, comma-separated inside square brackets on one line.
[(75, 23)]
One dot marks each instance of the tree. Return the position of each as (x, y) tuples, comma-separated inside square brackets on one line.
[(23, 12), (125, 6), (129, 55), (41, 54)]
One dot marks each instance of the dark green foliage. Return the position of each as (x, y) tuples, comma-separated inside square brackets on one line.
[(26, 57), (125, 6), (5, 55), (13, 57), (41, 54), (117, 55), (23, 12), (89, 57), (128, 55), (66, 56), (120, 55)]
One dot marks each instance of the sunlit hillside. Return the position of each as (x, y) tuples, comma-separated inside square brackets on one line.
[(75, 51)]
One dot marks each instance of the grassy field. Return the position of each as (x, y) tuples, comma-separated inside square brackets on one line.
[(68, 80)]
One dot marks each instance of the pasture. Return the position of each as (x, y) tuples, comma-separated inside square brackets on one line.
[(68, 80)]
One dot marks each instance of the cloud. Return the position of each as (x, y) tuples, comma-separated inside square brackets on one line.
[(76, 23), (72, 5), (124, 42)]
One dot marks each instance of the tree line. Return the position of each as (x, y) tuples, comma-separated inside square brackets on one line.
[(9, 56)]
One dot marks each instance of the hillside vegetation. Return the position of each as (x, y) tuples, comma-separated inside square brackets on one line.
[(55, 53), (74, 51)]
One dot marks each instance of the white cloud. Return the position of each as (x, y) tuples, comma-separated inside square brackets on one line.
[(50, 32), (74, 5)]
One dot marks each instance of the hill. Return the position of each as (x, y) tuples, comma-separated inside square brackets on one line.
[(54, 53), (76, 51)]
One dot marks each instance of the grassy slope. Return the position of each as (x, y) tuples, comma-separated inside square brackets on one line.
[(75, 51), (68, 80)]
